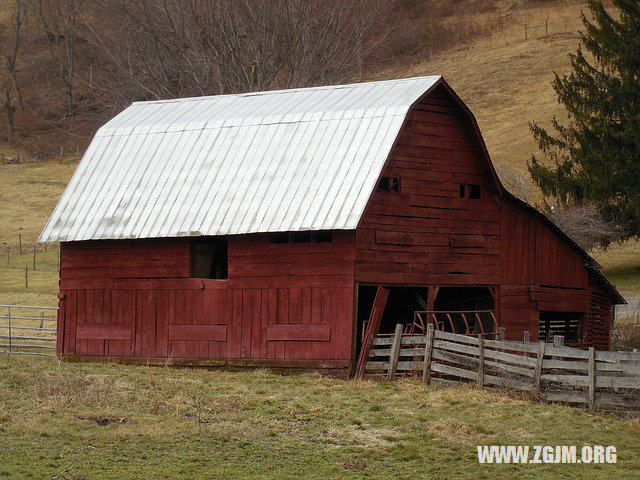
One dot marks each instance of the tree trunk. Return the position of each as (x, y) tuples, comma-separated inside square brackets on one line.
[(9, 111)]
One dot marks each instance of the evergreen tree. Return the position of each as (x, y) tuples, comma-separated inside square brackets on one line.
[(596, 157)]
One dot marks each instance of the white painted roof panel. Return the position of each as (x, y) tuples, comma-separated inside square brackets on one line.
[(287, 160)]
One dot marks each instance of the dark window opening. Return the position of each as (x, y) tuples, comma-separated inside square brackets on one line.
[(388, 184), (209, 258), (470, 190), (302, 237), (566, 324), (323, 236), (279, 238)]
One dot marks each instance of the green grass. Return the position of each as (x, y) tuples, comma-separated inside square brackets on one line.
[(197, 423)]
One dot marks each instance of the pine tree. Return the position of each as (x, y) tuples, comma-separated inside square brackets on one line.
[(596, 157)]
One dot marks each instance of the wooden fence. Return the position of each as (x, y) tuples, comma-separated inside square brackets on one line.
[(554, 373), (28, 330)]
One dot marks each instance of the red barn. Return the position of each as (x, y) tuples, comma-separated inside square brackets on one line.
[(259, 229)]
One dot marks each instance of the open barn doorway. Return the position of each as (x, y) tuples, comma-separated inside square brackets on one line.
[(400, 305), (464, 309)]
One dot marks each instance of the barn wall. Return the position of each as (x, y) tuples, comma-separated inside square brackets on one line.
[(288, 304), (426, 234), (598, 327), (534, 255)]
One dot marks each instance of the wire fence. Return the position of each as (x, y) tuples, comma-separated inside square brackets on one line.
[(28, 330)]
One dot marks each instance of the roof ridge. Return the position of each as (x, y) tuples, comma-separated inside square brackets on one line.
[(288, 90)]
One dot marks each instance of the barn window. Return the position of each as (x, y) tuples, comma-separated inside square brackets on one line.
[(321, 236), (279, 238), (470, 190), (388, 184), (209, 258)]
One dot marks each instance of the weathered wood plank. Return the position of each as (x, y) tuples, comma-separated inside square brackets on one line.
[(395, 350), (428, 352), (455, 371), (299, 332)]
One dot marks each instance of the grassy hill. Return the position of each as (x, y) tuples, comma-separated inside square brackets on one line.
[(107, 421)]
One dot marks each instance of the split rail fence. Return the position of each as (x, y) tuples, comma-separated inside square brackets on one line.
[(28, 330), (554, 373)]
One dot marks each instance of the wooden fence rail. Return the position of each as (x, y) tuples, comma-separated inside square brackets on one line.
[(556, 373)]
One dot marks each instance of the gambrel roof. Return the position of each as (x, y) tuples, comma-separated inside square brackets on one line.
[(287, 160)]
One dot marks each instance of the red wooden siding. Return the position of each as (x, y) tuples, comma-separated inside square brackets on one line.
[(533, 254), (426, 234), (598, 327), (168, 257), (302, 312)]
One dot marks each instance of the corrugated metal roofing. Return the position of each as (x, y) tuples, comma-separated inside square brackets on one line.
[(287, 160)]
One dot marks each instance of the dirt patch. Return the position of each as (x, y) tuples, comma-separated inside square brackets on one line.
[(361, 436), (355, 463), (104, 421)]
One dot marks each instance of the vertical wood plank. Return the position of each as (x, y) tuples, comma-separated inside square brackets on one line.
[(395, 352), (592, 378), (372, 329), (428, 350), (481, 361), (537, 378)]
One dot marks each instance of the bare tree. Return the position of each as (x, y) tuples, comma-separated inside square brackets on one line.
[(174, 48), (10, 49), (59, 19), (515, 182), (583, 224)]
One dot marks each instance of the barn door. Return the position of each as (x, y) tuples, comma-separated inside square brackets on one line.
[(372, 328)]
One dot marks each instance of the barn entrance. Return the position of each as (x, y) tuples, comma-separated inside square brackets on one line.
[(466, 310)]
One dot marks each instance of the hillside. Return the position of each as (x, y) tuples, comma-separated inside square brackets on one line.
[(503, 77)]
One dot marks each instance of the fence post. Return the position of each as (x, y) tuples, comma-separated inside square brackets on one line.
[(538, 373), (526, 336), (502, 333), (9, 315), (34, 257), (592, 378), (26, 276), (558, 341), (395, 352), (546, 26), (426, 365), (481, 362)]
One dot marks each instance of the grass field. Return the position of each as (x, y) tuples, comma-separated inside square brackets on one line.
[(109, 421)]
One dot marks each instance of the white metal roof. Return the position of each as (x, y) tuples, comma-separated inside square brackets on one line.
[(287, 160)]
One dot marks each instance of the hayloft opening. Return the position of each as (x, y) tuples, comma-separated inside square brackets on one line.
[(209, 258), (388, 184), (471, 191)]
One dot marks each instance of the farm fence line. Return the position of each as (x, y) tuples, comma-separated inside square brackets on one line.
[(553, 372), (28, 330)]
